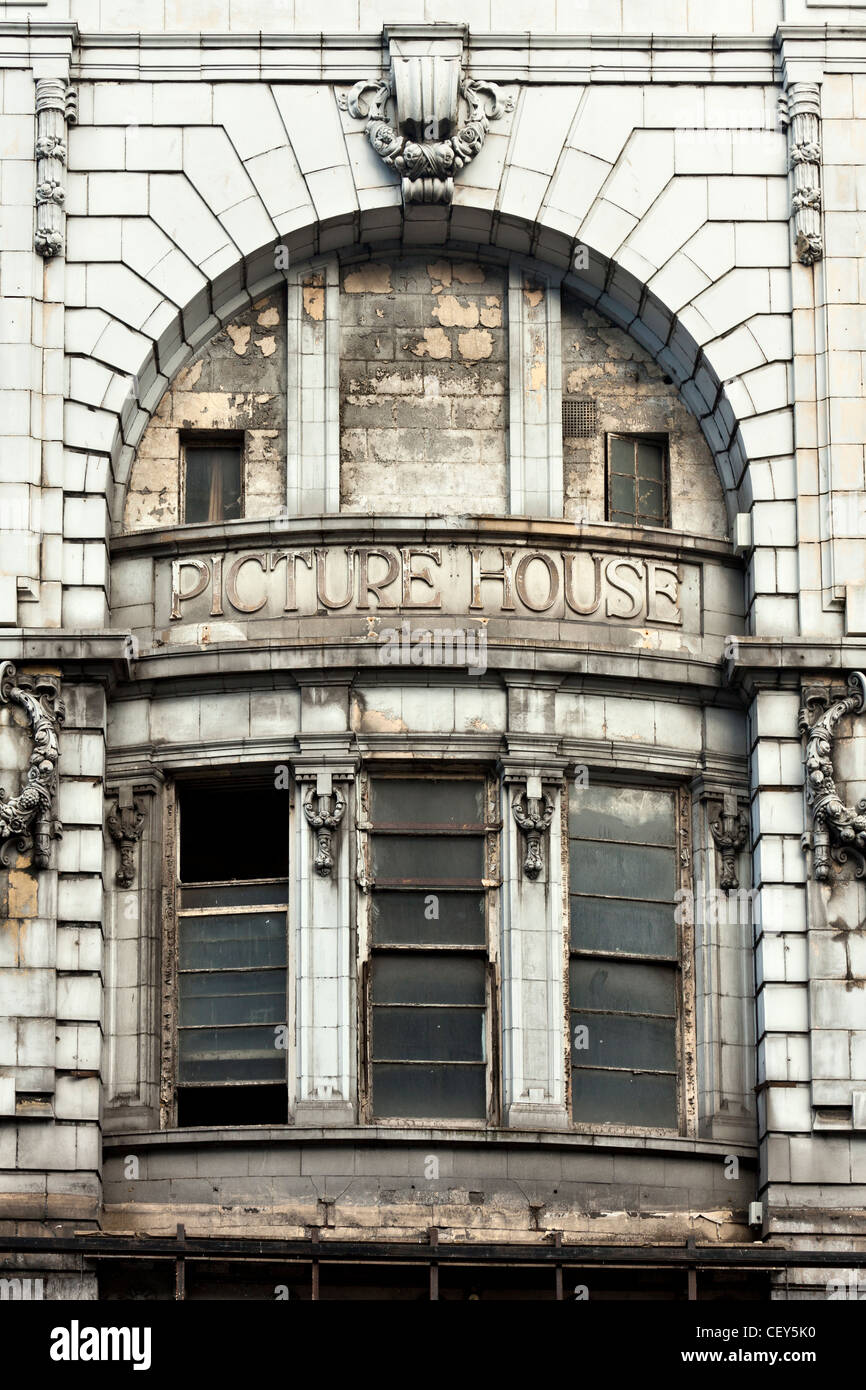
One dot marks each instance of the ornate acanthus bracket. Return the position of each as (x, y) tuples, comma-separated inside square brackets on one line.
[(28, 820), (838, 831), (425, 140), (324, 818), (56, 108), (800, 113), (730, 831), (125, 824), (533, 814)]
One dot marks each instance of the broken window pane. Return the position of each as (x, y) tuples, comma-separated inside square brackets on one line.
[(637, 480), (231, 950)]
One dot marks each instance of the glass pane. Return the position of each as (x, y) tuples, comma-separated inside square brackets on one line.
[(213, 482), (417, 1092), (632, 815), (207, 943), (448, 919), (428, 1035), (396, 801), (623, 986), (621, 455), (624, 1097), (233, 833), (622, 494), (229, 1054), (623, 518), (650, 461), (614, 924), (621, 1040), (650, 502), (228, 996), (631, 871), (429, 979), (235, 895), (428, 858)]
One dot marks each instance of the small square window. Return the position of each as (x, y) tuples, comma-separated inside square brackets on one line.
[(212, 480), (637, 480)]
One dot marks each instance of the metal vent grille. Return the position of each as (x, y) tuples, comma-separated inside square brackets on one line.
[(578, 419)]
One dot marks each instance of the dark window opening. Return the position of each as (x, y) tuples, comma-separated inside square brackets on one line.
[(637, 480), (428, 982), (624, 976), (232, 906), (212, 480)]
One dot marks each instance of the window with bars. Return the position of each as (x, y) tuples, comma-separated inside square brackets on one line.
[(212, 478), (637, 480), (428, 974), (625, 956), (232, 906)]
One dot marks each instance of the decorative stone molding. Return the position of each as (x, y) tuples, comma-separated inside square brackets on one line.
[(800, 112), (125, 824), (28, 819), (56, 108), (324, 819), (425, 141), (730, 832), (534, 822), (838, 831)]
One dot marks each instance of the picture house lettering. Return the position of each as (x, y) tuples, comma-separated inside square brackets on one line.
[(480, 581)]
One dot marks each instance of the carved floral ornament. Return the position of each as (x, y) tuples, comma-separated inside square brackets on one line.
[(125, 825), (838, 831), (28, 820), (533, 811), (324, 809), (426, 162), (730, 831)]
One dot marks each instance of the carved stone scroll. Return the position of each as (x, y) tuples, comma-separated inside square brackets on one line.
[(534, 820), (730, 832), (838, 831), (324, 820), (56, 108), (28, 820), (800, 109)]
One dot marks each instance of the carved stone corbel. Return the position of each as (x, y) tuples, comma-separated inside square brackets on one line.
[(534, 821), (800, 113), (425, 141), (125, 824), (28, 820), (56, 108), (730, 831), (838, 831), (324, 819)]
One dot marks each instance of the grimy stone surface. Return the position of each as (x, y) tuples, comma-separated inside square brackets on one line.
[(217, 188)]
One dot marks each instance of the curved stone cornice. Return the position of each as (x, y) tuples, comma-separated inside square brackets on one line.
[(27, 819), (838, 831)]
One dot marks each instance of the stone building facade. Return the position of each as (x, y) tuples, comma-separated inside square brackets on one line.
[(432, 624)]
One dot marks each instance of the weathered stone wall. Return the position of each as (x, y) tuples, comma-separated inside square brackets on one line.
[(633, 394), (423, 383), (237, 382)]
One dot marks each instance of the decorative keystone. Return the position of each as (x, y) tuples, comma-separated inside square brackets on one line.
[(424, 140)]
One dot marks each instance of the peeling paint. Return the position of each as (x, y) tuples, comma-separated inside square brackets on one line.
[(374, 278), (269, 319), (314, 298), (435, 343), (476, 344), (266, 346), (452, 314), (533, 296), (240, 336)]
